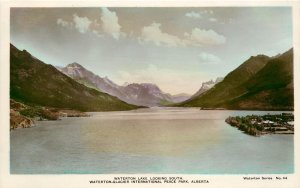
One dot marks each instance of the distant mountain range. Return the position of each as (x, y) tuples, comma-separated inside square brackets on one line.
[(36, 83), (260, 83), (144, 94)]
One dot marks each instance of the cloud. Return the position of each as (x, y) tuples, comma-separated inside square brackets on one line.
[(200, 37), (207, 58), (197, 37), (153, 33), (193, 14), (95, 32), (231, 21), (213, 19), (82, 24), (149, 34), (199, 14), (110, 23), (208, 12), (64, 23)]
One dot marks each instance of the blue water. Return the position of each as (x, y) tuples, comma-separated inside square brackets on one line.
[(155, 140)]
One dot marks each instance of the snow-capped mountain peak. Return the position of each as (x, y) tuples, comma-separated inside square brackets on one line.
[(207, 86)]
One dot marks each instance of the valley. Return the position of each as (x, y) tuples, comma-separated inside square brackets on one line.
[(49, 92)]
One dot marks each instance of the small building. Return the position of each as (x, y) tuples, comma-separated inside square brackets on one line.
[(267, 122)]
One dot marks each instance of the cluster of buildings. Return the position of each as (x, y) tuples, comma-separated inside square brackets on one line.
[(266, 124)]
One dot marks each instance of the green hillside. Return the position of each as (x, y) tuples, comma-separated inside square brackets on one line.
[(271, 88), (36, 83), (259, 83)]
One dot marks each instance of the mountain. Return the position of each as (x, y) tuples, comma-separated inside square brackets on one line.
[(271, 88), (207, 86), (36, 83), (86, 77), (260, 83), (144, 94), (180, 97)]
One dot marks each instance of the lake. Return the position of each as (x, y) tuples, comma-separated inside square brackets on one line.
[(150, 140)]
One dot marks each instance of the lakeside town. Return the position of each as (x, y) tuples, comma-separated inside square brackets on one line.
[(256, 125)]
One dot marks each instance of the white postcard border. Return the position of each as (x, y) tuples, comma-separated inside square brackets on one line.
[(67, 180)]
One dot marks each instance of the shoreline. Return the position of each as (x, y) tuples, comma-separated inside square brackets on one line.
[(25, 116), (19, 121)]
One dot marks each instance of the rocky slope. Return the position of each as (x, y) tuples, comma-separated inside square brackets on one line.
[(24, 116), (206, 86), (18, 120), (144, 94)]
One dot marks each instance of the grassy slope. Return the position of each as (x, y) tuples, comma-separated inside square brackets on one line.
[(228, 88), (34, 82), (271, 88), (259, 83)]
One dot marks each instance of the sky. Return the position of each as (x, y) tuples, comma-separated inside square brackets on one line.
[(175, 48)]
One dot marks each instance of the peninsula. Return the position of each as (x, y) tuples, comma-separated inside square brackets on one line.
[(256, 125)]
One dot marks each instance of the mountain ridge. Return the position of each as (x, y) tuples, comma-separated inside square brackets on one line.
[(261, 82), (144, 94), (34, 82)]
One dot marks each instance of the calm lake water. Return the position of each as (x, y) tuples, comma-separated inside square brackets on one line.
[(154, 140)]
